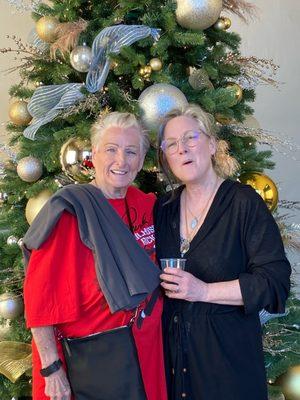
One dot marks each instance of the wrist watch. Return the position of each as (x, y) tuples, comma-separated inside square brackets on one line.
[(51, 368)]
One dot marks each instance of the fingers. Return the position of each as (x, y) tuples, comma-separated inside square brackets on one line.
[(174, 271), (169, 286), (170, 278)]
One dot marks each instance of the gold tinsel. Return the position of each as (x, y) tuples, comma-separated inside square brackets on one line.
[(253, 70), (67, 37), (15, 359), (241, 8)]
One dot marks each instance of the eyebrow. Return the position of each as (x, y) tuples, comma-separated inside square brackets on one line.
[(115, 144)]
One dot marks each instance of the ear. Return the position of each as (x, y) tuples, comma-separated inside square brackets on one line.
[(212, 145)]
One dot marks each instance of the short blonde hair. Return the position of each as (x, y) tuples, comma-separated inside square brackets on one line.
[(123, 120), (223, 163)]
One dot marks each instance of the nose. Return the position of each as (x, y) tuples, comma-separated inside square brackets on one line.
[(121, 157), (182, 148)]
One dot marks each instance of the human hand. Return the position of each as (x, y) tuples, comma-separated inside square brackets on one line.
[(179, 284), (57, 386)]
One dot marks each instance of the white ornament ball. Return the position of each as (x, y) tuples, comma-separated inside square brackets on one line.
[(157, 100), (81, 58), (30, 169), (198, 14), (11, 240), (11, 306)]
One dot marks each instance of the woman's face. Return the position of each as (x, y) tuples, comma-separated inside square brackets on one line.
[(117, 158), (189, 164)]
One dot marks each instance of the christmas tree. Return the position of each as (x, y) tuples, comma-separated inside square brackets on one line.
[(86, 58)]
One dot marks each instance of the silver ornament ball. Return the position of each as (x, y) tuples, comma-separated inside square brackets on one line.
[(81, 58), (198, 14), (157, 100), (11, 240), (20, 242), (30, 169), (11, 306)]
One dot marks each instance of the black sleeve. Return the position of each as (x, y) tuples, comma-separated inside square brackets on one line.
[(266, 282)]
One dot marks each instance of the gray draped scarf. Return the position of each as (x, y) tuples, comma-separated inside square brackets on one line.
[(125, 272)]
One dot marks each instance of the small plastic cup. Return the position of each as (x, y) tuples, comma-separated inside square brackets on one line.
[(172, 263)]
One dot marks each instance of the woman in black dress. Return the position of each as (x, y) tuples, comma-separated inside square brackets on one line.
[(235, 266)]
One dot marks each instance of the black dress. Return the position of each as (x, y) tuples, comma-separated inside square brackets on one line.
[(212, 351)]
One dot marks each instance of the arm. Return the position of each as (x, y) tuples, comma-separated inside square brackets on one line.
[(57, 385), (193, 289)]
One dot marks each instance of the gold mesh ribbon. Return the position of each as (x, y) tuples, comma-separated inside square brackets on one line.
[(15, 359)]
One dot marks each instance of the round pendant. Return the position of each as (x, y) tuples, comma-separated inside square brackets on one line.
[(194, 223), (184, 247)]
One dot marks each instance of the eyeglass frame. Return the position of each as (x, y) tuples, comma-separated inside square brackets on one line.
[(180, 139)]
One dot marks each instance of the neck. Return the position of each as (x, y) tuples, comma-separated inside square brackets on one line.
[(110, 192), (202, 188)]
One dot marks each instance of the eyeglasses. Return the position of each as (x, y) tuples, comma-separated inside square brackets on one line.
[(189, 139)]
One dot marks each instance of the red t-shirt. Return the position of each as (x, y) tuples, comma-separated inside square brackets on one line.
[(61, 289)]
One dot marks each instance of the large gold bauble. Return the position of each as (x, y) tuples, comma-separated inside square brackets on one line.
[(156, 64), (35, 204), (46, 28), (76, 160), (238, 91), (198, 14), (264, 186), (11, 306), (18, 113), (30, 169), (290, 383)]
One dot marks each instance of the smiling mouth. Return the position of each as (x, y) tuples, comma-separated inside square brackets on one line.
[(116, 172)]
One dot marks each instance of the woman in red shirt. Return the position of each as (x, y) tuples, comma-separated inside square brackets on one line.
[(61, 290)]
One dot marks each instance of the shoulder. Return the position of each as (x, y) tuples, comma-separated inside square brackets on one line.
[(134, 193), (246, 195)]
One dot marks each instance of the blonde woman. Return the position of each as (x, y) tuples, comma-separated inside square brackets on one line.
[(235, 266)]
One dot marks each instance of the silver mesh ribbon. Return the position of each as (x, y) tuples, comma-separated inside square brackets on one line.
[(48, 101), (265, 316), (110, 40)]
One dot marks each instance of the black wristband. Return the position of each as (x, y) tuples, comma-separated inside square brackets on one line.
[(51, 368)]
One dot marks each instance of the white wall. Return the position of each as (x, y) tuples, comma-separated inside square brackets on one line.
[(275, 35)]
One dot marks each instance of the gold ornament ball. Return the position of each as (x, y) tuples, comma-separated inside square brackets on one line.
[(11, 306), (237, 90), (223, 119), (35, 204), (227, 22), (264, 186), (76, 160), (198, 14), (46, 28), (220, 25), (290, 383), (30, 169), (18, 113), (155, 64)]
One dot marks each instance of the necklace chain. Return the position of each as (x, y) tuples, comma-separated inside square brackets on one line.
[(185, 243)]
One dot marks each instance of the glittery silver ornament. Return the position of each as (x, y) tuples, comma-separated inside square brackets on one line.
[(20, 242), (199, 79), (3, 197), (76, 160), (11, 240), (81, 58), (30, 169), (157, 100), (198, 14), (11, 306)]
